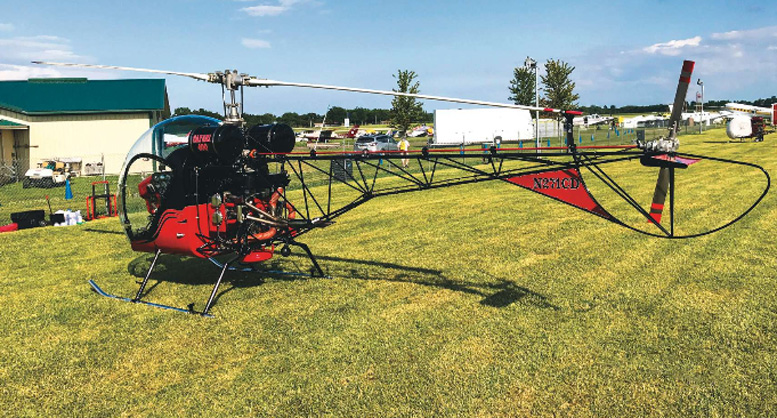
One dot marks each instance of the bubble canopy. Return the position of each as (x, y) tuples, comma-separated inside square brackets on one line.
[(146, 160)]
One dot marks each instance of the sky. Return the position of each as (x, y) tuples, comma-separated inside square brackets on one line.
[(624, 52)]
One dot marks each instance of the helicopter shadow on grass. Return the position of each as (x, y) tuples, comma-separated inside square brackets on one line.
[(496, 293), (103, 231), (727, 142)]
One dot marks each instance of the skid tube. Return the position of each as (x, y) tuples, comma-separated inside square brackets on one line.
[(316, 271), (101, 292), (139, 295)]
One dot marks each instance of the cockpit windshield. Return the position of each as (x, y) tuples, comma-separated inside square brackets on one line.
[(145, 174)]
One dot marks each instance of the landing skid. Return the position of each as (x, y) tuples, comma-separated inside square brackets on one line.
[(315, 271), (139, 295), (101, 292)]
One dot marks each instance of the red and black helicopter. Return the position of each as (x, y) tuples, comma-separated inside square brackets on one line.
[(221, 188)]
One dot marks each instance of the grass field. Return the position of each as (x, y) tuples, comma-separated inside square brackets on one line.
[(481, 300)]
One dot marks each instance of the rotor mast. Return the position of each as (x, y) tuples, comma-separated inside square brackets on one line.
[(230, 82)]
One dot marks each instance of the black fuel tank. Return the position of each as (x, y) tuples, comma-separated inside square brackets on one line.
[(276, 138)]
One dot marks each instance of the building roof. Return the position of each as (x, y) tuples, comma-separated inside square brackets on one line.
[(79, 95), (12, 125)]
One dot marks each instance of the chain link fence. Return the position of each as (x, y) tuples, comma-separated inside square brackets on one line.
[(55, 184)]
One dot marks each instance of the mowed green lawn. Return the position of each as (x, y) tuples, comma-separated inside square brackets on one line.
[(482, 300)]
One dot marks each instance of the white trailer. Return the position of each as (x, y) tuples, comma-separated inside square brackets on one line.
[(475, 126)]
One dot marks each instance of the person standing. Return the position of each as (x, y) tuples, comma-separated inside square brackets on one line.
[(404, 146)]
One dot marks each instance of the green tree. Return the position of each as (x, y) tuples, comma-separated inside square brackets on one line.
[(405, 110), (359, 115), (336, 115), (379, 115), (291, 119), (264, 119), (180, 111), (559, 90), (522, 87)]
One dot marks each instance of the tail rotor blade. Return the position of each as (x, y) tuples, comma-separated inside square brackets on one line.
[(679, 97), (659, 195), (662, 184)]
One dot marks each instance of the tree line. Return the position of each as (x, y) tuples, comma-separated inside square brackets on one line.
[(335, 115)]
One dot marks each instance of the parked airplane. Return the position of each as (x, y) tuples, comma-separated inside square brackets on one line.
[(703, 117), (644, 121), (420, 131), (592, 119)]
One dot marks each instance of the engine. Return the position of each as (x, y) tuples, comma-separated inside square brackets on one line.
[(207, 189)]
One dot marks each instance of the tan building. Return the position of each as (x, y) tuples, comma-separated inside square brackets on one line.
[(42, 119)]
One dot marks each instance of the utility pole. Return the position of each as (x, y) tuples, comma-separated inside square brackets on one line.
[(701, 125), (531, 64)]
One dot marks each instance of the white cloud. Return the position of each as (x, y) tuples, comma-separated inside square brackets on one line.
[(23, 72), (42, 47), (769, 32), (264, 10), (255, 43), (734, 34), (270, 9), (6, 27), (673, 48)]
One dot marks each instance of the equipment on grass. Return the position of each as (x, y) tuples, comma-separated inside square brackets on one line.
[(225, 189), (108, 200), (29, 219)]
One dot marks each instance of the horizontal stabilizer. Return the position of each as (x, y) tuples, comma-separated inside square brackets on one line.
[(665, 161)]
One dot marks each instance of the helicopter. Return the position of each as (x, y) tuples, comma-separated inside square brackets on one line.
[(221, 188)]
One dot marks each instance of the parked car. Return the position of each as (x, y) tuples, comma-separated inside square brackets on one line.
[(375, 143)]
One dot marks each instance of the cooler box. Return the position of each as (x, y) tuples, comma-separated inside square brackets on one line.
[(29, 219)]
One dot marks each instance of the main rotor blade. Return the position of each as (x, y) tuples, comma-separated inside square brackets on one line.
[(231, 83), (679, 97), (268, 83), (196, 76)]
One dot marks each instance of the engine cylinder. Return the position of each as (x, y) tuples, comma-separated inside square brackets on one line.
[(276, 138)]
